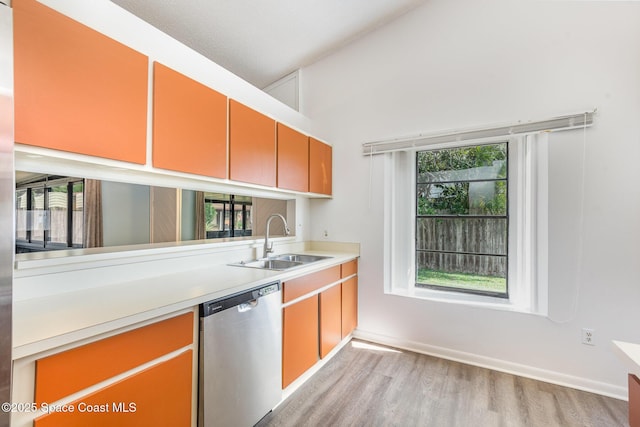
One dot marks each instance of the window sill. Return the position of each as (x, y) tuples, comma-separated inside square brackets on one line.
[(471, 300)]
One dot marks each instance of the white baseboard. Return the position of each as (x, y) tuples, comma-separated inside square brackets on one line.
[(552, 377)]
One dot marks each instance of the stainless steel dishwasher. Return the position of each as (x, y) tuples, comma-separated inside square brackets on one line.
[(240, 377)]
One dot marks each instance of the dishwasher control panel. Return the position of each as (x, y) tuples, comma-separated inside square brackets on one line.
[(275, 287), (220, 304)]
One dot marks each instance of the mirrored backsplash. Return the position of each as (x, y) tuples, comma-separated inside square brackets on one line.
[(60, 212)]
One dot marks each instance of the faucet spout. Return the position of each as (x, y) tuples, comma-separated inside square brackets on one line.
[(268, 246)]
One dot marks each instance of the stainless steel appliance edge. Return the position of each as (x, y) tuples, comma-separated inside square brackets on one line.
[(7, 195), (240, 366)]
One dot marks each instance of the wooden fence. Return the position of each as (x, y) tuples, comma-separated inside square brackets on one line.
[(485, 239)]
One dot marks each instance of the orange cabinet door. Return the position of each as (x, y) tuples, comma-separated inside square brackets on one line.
[(252, 146), (293, 159), (634, 401), (320, 162), (330, 319), (189, 125), (349, 306), (299, 338), (75, 89), (157, 396), (295, 288), (349, 268), (68, 372)]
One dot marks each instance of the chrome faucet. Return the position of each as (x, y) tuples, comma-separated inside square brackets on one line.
[(268, 247)]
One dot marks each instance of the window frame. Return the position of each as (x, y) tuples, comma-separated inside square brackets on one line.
[(528, 227), (417, 216), (46, 185), (231, 207)]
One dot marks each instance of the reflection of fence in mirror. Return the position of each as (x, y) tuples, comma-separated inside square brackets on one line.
[(48, 212), (164, 216)]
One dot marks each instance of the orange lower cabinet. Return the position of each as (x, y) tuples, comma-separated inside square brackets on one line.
[(68, 372), (349, 306), (157, 396), (349, 268), (299, 338), (295, 288), (315, 325), (634, 401), (330, 319)]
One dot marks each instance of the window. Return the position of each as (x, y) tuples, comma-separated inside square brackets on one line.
[(467, 223), (462, 219), (227, 215), (49, 214)]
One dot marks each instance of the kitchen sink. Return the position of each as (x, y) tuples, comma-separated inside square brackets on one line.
[(300, 258), (280, 262), (269, 264)]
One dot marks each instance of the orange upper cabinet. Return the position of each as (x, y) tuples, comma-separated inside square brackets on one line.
[(75, 89), (189, 125), (252, 146), (320, 161), (293, 159)]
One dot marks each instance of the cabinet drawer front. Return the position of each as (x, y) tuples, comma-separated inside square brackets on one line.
[(349, 268), (158, 396), (73, 370), (295, 288)]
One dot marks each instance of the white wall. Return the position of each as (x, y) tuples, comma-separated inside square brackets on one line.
[(452, 64)]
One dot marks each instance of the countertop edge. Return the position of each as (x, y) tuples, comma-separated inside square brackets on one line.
[(178, 298), (629, 353)]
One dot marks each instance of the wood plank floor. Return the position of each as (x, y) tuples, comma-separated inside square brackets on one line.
[(370, 385)]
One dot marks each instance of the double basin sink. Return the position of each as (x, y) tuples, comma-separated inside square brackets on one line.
[(281, 262)]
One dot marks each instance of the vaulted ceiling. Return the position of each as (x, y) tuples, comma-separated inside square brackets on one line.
[(264, 40)]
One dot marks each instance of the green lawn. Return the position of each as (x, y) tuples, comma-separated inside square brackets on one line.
[(462, 280)]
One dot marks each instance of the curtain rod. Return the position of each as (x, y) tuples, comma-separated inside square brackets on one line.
[(572, 121)]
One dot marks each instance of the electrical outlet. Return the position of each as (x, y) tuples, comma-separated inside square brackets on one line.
[(588, 336)]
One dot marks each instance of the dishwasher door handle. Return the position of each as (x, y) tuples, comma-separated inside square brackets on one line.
[(246, 306)]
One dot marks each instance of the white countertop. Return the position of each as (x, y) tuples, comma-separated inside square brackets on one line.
[(43, 323), (630, 354)]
